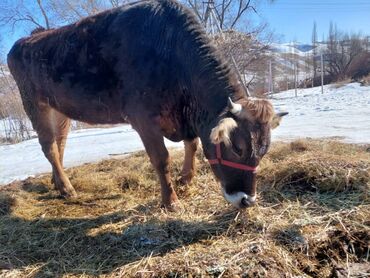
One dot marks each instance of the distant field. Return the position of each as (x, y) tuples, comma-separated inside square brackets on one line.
[(312, 220)]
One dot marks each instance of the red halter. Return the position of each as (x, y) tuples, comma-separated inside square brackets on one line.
[(220, 161)]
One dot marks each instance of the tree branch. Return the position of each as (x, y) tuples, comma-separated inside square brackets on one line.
[(44, 14), (241, 9)]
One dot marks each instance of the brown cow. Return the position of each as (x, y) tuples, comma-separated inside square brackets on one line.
[(151, 64)]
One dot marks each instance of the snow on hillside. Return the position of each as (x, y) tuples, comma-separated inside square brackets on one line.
[(286, 55), (342, 112), (287, 48), (298, 48)]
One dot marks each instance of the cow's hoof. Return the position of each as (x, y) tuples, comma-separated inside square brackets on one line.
[(53, 182), (184, 180), (173, 207), (69, 194)]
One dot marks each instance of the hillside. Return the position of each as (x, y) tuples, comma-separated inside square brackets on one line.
[(286, 54), (312, 220), (298, 48)]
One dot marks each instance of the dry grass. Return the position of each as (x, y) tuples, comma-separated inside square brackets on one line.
[(365, 81), (341, 83), (312, 220)]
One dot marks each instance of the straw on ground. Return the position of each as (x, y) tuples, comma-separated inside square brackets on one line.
[(312, 220)]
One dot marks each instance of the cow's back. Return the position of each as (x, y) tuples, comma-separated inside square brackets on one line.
[(87, 50), (105, 60)]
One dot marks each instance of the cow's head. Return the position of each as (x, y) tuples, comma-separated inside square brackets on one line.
[(238, 142)]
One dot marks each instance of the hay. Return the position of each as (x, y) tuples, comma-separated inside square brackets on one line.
[(312, 220), (318, 166)]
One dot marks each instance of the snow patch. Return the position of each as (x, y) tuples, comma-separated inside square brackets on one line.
[(340, 112), (19, 161)]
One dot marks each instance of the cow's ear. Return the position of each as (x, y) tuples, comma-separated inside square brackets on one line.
[(277, 119), (221, 133)]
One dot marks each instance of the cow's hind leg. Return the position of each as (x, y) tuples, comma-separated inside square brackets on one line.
[(47, 123), (187, 172), (61, 128)]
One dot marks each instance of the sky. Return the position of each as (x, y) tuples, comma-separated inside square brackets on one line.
[(293, 19)]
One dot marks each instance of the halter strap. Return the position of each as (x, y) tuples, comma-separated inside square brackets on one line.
[(230, 164)]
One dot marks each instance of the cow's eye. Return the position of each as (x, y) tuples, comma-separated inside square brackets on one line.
[(257, 126), (263, 150), (237, 150)]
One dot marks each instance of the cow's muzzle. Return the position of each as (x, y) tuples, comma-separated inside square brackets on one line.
[(240, 200), (247, 202)]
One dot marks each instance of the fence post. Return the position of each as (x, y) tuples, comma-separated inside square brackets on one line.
[(322, 73)]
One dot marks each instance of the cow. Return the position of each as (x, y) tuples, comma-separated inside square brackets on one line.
[(150, 64)]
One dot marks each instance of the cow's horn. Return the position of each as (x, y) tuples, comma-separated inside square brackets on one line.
[(234, 108)]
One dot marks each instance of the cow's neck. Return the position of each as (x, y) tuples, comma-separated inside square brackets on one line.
[(208, 83), (212, 98)]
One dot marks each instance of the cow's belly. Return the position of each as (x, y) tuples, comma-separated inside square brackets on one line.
[(171, 128), (101, 108), (94, 113)]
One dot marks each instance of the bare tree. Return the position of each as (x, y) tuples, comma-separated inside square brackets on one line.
[(230, 12), (50, 13), (249, 53), (343, 49), (247, 43), (117, 3), (31, 13), (67, 11), (14, 122), (43, 12)]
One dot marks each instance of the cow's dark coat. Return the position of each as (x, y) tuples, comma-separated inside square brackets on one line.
[(148, 63)]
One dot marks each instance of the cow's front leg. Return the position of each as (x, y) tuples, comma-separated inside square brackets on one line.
[(159, 157), (187, 172)]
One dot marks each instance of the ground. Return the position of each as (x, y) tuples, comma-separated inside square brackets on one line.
[(312, 220)]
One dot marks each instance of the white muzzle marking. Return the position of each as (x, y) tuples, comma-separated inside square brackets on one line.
[(236, 198)]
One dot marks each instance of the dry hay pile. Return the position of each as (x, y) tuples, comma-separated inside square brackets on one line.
[(312, 220)]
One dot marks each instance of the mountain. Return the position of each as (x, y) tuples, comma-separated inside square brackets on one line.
[(286, 55), (301, 49)]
